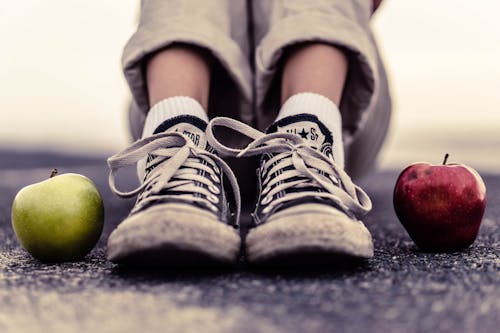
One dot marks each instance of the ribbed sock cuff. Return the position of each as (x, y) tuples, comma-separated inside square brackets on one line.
[(169, 108)]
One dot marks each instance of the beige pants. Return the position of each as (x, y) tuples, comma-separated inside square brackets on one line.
[(247, 38)]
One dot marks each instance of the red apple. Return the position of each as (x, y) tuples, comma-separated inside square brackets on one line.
[(440, 206)]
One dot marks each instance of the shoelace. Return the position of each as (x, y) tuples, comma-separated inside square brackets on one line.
[(172, 151), (311, 169)]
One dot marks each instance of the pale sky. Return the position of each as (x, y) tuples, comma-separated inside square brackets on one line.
[(61, 86)]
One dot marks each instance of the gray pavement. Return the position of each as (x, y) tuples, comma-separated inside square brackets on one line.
[(400, 290)]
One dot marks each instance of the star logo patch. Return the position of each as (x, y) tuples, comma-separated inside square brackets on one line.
[(303, 133)]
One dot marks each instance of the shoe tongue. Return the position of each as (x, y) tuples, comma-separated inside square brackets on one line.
[(307, 126), (190, 126)]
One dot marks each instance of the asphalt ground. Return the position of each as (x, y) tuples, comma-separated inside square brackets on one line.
[(400, 290)]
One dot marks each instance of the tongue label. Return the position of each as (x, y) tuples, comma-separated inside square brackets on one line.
[(196, 135), (308, 130)]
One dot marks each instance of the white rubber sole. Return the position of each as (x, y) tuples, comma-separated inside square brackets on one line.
[(173, 234), (308, 231)]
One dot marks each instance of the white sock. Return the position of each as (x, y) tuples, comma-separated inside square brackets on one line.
[(167, 109), (326, 111)]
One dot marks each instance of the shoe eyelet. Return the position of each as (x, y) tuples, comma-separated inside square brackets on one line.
[(214, 189), (266, 200)]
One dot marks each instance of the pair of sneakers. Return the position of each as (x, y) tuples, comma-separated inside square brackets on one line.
[(307, 205)]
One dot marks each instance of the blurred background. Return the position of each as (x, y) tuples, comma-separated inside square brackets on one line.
[(61, 86)]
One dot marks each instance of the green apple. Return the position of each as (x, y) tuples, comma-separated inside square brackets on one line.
[(58, 219)]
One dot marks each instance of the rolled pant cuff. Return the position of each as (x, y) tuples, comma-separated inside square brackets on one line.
[(151, 38), (326, 28)]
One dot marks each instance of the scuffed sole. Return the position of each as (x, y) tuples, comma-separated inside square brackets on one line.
[(308, 234), (173, 235)]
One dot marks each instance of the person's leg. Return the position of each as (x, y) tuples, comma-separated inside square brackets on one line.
[(314, 67), (322, 69), (345, 25), (181, 215), (179, 70), (209, 26), (178, 84), (312, 81), (218, 26), (317, 75)]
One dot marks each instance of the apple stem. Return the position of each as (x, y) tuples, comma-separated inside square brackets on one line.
[(446, 158), (53, 173)]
